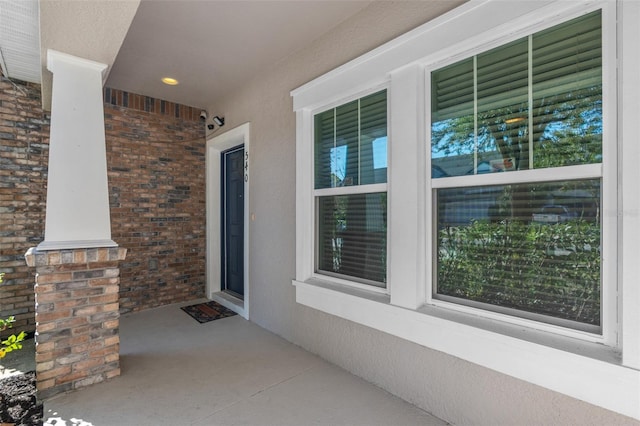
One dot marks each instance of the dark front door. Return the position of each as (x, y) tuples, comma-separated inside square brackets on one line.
[(233, 221)]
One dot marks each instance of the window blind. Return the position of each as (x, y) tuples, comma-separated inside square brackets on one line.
[(564, 94), (351, 150), (352, 236), (346, 152), (528, 249)]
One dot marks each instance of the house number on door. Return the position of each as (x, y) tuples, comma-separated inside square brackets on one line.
[(246, 166)]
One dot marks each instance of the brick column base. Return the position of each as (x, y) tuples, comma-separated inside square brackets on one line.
[(77, 317)]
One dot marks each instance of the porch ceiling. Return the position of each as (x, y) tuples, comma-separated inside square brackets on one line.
[(213, 47), (210, 47)]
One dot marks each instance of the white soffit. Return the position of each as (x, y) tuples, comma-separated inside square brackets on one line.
[(20, 40)]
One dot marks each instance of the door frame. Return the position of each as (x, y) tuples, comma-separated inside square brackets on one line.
[(213, 158)]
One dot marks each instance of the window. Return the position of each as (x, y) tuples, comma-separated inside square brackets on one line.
[(529, 245), (350, 180), (509, 215)]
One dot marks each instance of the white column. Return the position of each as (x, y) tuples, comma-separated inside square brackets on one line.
[(77, 189)]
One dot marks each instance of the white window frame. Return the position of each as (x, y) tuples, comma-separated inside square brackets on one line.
[(605, 373), (606, 170), (345, 190)]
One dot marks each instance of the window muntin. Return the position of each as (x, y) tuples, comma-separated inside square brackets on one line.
[(350, 145), (488, 238)]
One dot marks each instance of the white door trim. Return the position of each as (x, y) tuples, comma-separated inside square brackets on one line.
[(214, 148)]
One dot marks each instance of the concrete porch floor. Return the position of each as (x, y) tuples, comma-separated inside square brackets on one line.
[(176, 371)]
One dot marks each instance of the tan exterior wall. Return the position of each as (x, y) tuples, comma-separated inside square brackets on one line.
[(454, 390)]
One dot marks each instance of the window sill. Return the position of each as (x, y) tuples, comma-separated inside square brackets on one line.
[(582, 370)]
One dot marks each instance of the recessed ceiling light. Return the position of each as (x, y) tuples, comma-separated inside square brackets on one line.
[(170, 81)]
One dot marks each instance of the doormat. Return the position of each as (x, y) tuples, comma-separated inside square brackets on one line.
[(209, 311)]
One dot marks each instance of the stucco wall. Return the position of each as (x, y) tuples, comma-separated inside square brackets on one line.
[(455, 390)]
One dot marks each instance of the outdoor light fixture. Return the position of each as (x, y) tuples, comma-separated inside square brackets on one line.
[(218, 121)]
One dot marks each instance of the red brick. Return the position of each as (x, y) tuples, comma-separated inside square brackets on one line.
[(110, 307), (80, 256), (111, 324), (102, 353), (65, 304), (59, 371), (103, 282), (112, 357), (45, 384), (43, 328), (54, 296), (44, 347), (52, 316), (114, 340), (76, 375), (86, 347), (87, 364), (71, 323), (108, 298), (54, 278), (87, 310), (113, 373), (75, 340)]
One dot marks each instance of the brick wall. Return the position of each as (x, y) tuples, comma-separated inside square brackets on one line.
[(77, 342), (156, 166), (24, 153)]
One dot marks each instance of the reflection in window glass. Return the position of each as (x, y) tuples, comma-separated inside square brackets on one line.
[(338, 162), (349, 143), (502, 119), (452, 129), (533, 247), (481, 120), (379, 153), (567, 93)]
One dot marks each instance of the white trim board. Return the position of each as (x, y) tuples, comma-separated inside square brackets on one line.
[(214, 148)]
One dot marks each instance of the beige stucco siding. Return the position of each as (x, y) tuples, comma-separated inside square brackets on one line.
[(454, 390)]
